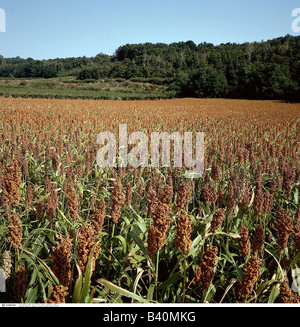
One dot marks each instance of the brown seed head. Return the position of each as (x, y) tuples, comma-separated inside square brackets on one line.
[(288, 178), (86, 245), (155, 240), (296, 234), (181, 199), (287, 295), (183, 228), (284, 227), (157, 231), (258, 203), (209, 193), (217, 220), (15, 231), (47, 184), (205, 273), (165, 193), (244, 241), (118, 199), (40, 209), (55, 161), (52, 204), (215, 172), (258, 238), (251, 273), (11, 183), (268, 202), (19, 285), (61, 265), (73, 202), (58, 294), (28, 195), (98, 217), (152, 200)]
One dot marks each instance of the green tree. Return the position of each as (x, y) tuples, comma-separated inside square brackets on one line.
[(207, 82)]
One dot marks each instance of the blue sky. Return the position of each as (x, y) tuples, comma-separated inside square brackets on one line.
[(70, 28)]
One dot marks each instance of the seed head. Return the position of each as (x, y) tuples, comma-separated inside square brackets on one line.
[(205, 273), (118, 199), (98, 217), (61, 265), (209, 193), (15, 231), (6, 265), (258, 238), (183, 228), (40, 209), (244, 241), (251, 273), (29, 195), (217, 220), (287, 295), (58, 294), (19, 285), (52, 204), (258, 203), (85, 246), (152, 200), (284, 227), (11, 183)]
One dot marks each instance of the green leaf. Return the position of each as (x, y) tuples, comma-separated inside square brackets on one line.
[(195, 245), (139, 242), (150, 292), (264, 285), (77, 286), (97, 300), (274, 293), (122, 240), (30, 294), (121, 291), (171, 280), (140, 221), (87, 278), (138, 277), (209, 293), (90, 298), (295, 260), (54, 280), (37, 235)]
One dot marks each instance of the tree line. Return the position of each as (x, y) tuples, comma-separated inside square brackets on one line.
[(258, 70)]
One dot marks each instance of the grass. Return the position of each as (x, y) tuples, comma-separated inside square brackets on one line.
[(69, 88)]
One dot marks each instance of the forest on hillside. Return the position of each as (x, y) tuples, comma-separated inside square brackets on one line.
[(258, 70)]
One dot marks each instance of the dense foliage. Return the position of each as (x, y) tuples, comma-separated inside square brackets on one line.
[(257, 70)]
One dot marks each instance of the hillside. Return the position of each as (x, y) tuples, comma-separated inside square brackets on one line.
[(259, 70)]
